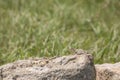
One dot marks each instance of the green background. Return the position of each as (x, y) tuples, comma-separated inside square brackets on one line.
[(37, 28)]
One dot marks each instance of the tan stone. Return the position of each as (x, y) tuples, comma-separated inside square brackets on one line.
[(108, 71), (72, 67)]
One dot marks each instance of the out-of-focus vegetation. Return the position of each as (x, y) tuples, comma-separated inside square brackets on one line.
[(37, 28)]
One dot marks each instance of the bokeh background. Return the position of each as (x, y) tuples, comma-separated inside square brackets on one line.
[(37, 28)]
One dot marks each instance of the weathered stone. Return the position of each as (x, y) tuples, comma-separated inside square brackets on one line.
[(72, 67), (108, 71)]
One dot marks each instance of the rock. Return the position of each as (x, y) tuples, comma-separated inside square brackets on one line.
[(71, 67), (108, 71)]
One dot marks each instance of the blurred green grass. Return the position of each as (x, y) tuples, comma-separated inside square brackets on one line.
[(37, 28)]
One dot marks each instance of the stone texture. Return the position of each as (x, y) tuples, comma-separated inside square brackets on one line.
[(78, 66), (108, 71)]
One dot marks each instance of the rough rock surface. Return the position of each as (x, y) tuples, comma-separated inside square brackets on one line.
[(108, 71), (78, 66)]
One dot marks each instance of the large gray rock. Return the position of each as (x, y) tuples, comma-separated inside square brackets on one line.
[(108, 71), (73, 67)]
